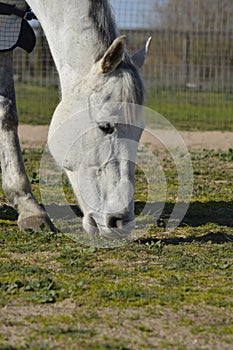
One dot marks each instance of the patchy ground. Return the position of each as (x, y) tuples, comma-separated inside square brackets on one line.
[(165, 291), (32, 136)]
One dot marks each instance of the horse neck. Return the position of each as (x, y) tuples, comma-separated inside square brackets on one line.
[(72, 35)]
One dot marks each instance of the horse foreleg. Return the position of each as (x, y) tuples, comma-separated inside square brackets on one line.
[(15, 182)]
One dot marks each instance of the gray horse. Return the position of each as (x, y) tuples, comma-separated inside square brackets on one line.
[(96, 76)]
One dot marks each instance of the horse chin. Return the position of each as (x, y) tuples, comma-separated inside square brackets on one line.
[(96, 230), (118, 234)]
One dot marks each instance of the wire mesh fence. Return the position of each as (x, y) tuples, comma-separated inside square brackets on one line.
[(188, 73)]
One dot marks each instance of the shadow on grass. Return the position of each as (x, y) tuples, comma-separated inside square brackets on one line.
[(57, 211), (198, 213), (212, 237), (8, 213)]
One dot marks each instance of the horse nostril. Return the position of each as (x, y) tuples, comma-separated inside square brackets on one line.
[(115, 221)]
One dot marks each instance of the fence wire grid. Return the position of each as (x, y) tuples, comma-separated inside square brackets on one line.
[(188, 73)]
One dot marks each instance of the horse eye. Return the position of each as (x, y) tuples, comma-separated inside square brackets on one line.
[(106, 128)]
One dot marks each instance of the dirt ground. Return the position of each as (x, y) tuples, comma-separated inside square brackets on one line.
[(36, 136), (195, 322)]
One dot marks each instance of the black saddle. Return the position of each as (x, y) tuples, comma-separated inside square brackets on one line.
[(15, 31)]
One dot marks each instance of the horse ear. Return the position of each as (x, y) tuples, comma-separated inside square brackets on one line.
[(139, 57), (113, 56)]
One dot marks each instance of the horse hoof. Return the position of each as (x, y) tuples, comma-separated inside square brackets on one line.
[(36, 223)]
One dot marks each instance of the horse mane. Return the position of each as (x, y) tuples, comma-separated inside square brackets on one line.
[(103, 19), (133, 87)]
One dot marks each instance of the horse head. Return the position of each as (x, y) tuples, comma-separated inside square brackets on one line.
[(97, 144)]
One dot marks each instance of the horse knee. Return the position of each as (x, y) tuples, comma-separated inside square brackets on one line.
[(8, 114)]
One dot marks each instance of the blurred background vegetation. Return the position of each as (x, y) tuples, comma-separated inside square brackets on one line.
[(188, 73)]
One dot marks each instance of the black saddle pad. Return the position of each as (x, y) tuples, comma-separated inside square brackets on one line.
[(15, 31)]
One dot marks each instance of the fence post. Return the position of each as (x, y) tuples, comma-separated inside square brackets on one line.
[(186, 59)]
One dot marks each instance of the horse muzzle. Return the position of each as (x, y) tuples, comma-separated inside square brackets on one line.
[(112, 226)]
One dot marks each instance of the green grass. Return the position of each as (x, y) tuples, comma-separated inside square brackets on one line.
[(188, 110), (165, 291), (192, 110), (36, 103)]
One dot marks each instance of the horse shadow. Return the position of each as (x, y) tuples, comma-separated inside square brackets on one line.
[(214, 238), (198, 214)]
